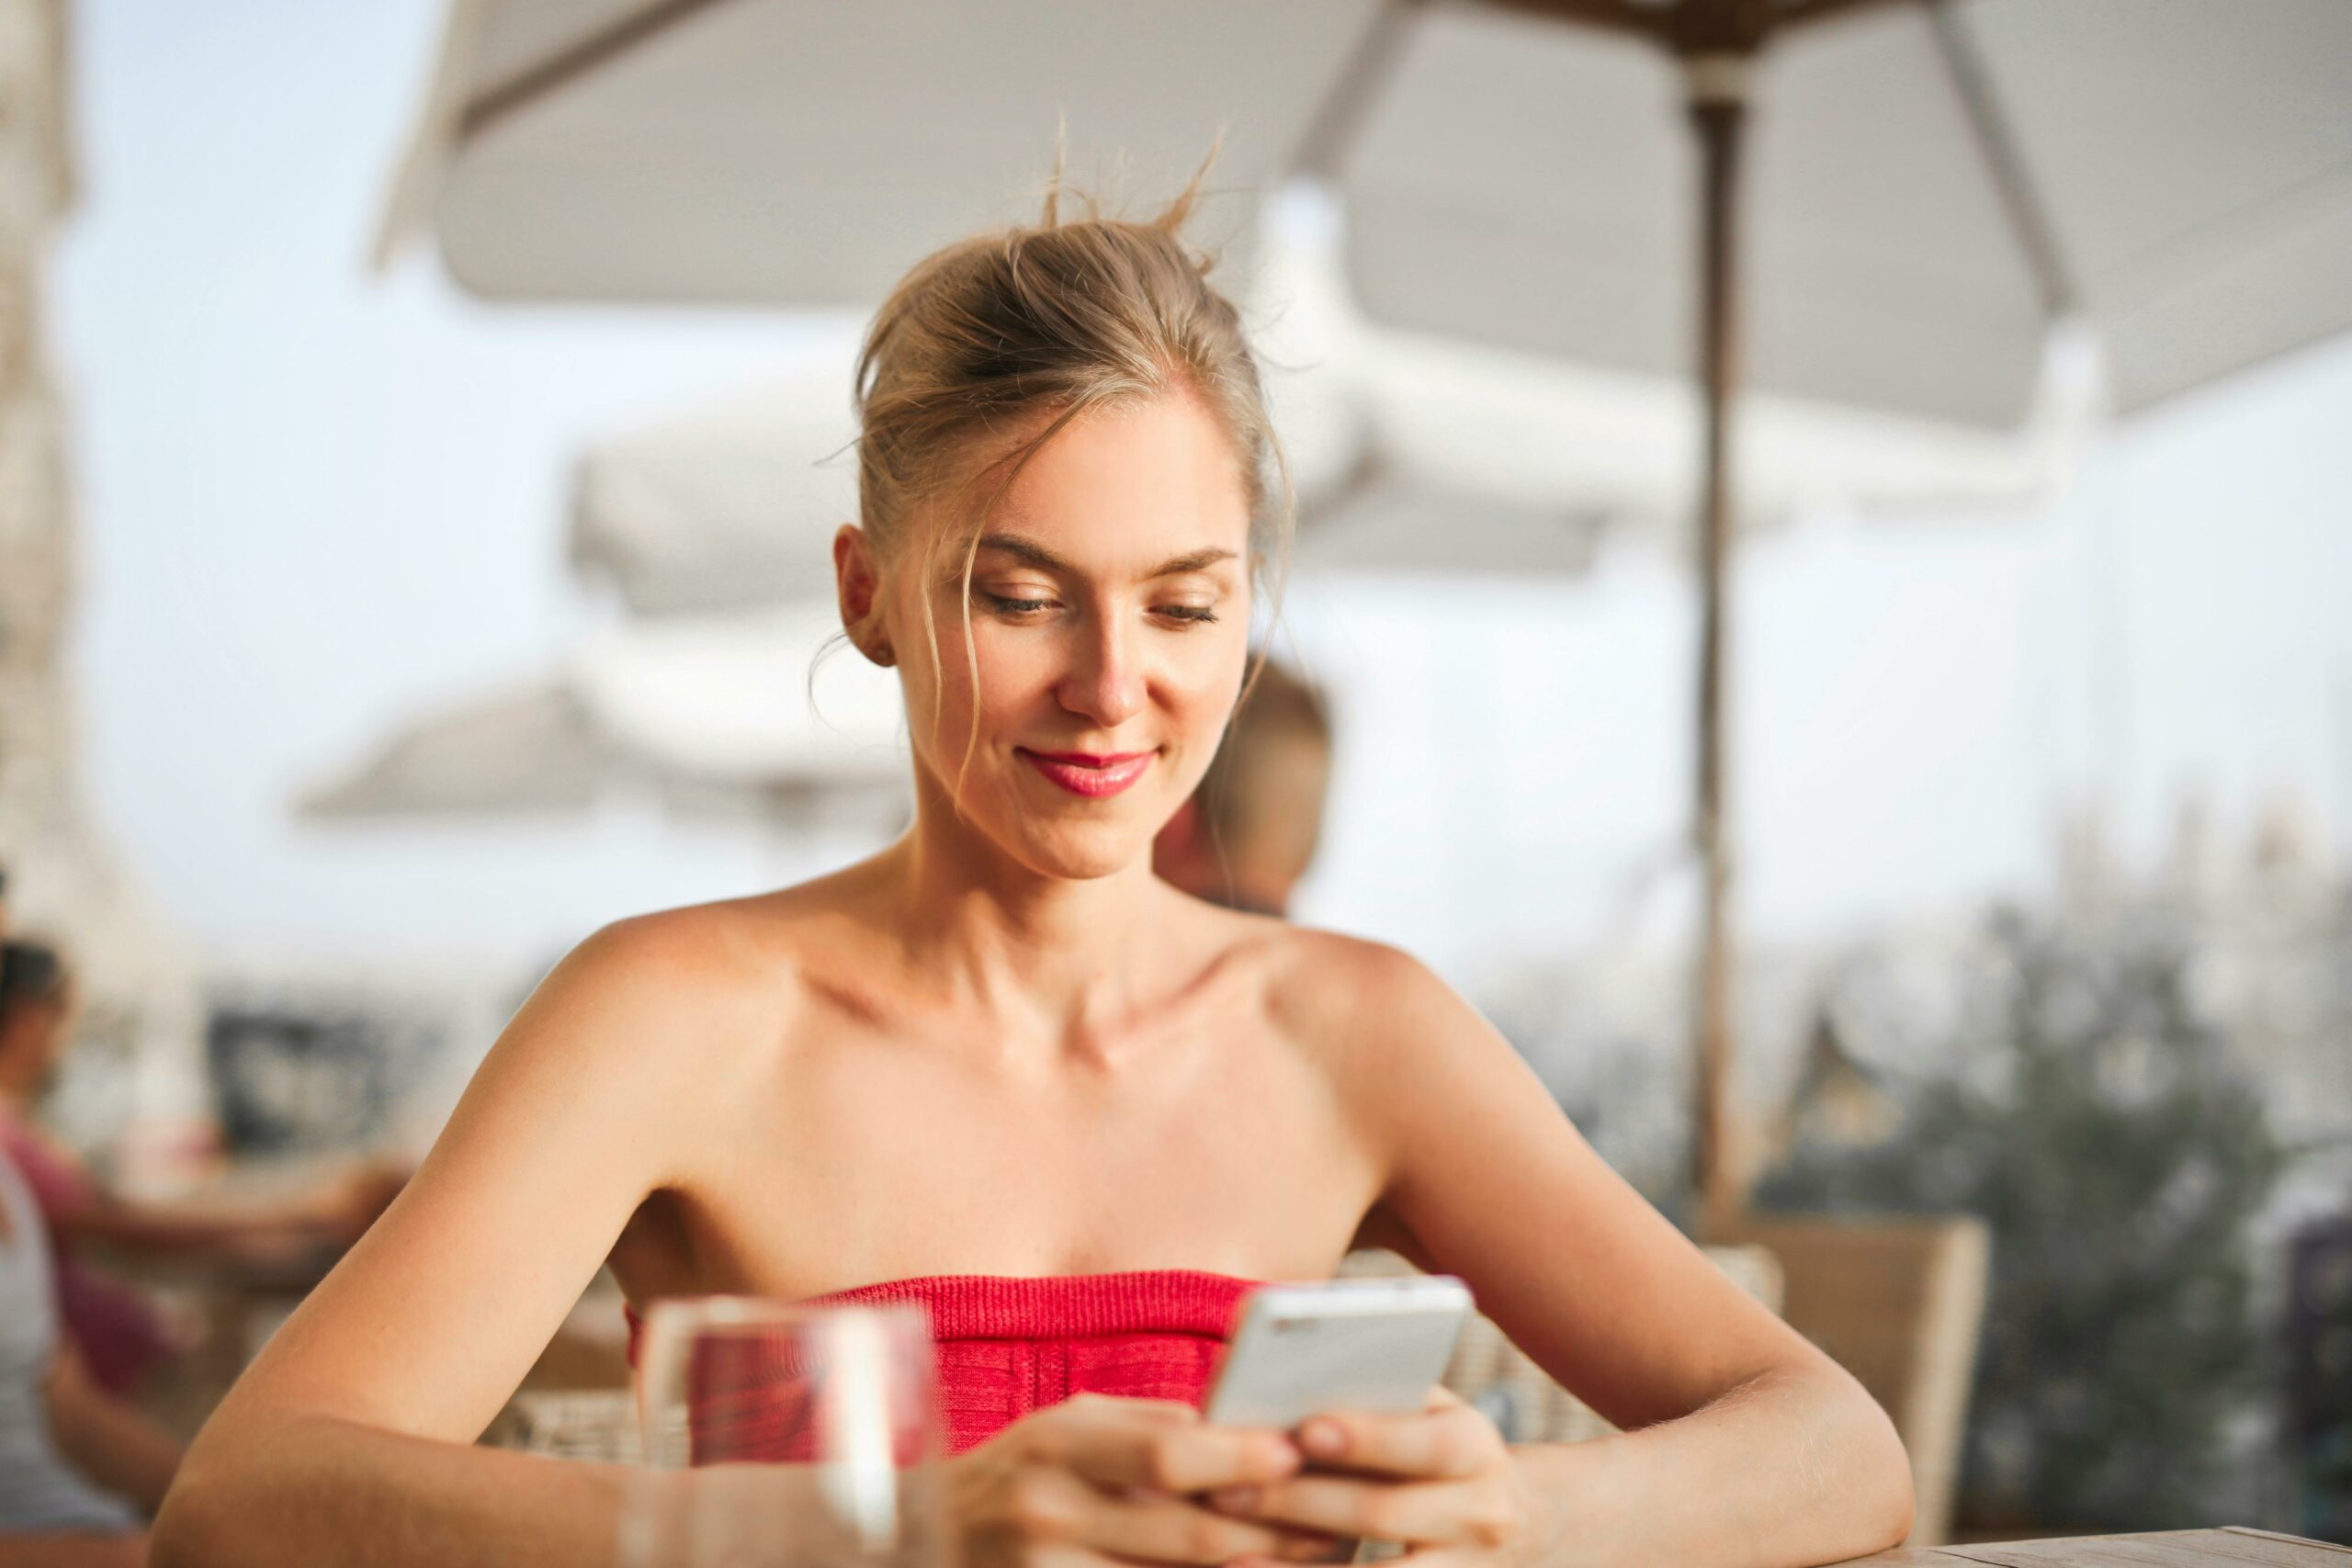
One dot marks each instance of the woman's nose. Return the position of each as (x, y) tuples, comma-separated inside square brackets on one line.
[(1104, 682)]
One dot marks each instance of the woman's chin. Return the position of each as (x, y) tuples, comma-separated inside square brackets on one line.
[(1081, 852), (1086, 863)]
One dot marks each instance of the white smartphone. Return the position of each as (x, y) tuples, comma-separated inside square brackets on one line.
[(1371, 1345)]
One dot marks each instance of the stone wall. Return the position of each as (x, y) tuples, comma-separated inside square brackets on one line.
[(141, 1015)]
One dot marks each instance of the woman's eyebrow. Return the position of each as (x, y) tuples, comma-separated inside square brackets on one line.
[(1035, 554)]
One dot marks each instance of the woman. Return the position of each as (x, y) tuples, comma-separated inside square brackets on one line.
[(1000, 1068), (63, 1438)]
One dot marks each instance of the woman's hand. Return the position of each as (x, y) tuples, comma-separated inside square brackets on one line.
[(1096, 1480), (1441, 1483)]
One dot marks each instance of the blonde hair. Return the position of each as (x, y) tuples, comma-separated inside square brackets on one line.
[(1061, 317)]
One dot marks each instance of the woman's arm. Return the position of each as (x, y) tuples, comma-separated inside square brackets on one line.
[(108, 1442), (349, 1439), (1744, 1447)]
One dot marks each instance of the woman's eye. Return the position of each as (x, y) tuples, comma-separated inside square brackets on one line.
[(1021, 605)]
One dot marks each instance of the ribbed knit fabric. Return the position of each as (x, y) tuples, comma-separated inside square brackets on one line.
[(1007, 1345)]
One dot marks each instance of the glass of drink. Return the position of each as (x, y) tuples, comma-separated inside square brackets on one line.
[(780, 1435)]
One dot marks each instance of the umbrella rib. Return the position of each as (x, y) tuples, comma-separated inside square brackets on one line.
[(2020, 200), (572, 61), (1327, 140)]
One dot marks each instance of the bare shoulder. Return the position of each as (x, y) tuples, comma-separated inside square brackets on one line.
[(1365, 998), (690, 960), (707, 987), (714, 948), (1397, 1041)]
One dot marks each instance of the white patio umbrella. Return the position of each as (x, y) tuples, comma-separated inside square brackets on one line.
[(528, 746), (1447, 459), (710, 714), (728, 504), (1935, 182), (1412, 454), (739, 151), (1932, 179)]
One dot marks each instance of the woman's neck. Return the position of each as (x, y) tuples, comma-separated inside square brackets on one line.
[(1058, 961)]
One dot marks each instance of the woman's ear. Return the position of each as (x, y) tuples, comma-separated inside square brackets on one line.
[(858, 586)]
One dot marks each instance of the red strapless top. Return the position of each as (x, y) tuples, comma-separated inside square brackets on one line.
[(1006, 1344)]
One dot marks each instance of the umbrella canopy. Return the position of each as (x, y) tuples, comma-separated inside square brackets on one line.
[(1417, 455), (729, 504), (1927, 183), (735, 151), (711, 716), (521, 749), (1930, 181)]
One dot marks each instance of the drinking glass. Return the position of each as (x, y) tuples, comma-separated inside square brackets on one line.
[(781, 1436)]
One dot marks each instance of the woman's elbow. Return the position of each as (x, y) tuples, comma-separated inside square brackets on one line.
[(1900, 1507), (1883, 1467), (201, 1523), (1857, 1474)]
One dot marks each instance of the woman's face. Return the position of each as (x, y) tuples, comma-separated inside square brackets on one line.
[(1110, 617), (33, 1041)]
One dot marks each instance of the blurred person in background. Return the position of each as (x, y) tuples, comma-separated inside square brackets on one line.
[(118, 1333), (1002, 1070), (1246, 837), (78, 1467)]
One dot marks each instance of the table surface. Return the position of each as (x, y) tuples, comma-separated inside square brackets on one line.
[(2172, 1550)]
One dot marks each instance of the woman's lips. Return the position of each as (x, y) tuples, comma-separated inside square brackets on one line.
[(1083, 773)]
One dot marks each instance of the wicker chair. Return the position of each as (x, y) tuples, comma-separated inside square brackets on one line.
[(1898, 1303), (575, 1401)]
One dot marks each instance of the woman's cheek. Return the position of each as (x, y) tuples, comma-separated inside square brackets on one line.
[(1010, 669)]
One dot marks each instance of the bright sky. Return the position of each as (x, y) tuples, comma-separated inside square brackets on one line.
[(316, 500)]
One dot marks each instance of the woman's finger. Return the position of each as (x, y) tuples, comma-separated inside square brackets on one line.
[(1115, 1446), (1339, 1505), (1166, 1530), (1431, 1512), (1450, 1439), (1054, 1507)]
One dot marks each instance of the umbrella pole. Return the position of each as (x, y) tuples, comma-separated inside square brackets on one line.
[(1718, 112)]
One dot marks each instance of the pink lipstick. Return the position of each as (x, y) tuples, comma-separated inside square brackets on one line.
[(1089, 773)]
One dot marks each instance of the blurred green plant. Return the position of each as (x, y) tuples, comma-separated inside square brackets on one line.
[(2119, 1153), (2320, 1376)]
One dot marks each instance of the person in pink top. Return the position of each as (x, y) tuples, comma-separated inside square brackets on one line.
[(1001, 1052), (78, 1467), (117, 1333)]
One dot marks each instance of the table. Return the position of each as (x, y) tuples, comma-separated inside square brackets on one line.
[(2175, 1549)]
